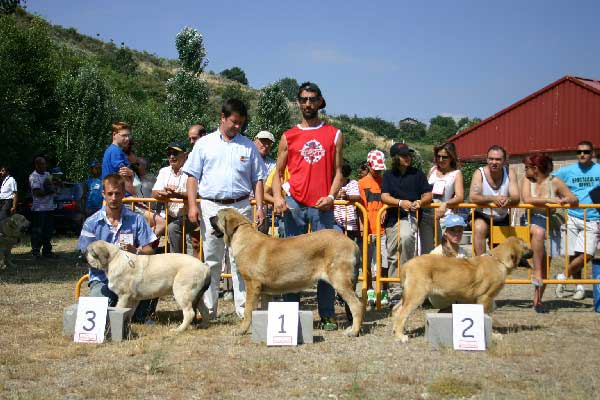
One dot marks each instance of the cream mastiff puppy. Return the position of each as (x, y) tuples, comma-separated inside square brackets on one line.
[(476, 280), (140, 277), (275, 266), (12, 230)]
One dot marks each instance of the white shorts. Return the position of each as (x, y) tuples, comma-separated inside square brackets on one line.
[(577, 236)]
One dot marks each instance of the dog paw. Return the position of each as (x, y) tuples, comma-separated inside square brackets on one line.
[(497, 337), (402, 338), (350, 333)]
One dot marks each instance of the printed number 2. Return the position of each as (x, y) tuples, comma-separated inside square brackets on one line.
[(91, 319), (282, 318), (467, 328)]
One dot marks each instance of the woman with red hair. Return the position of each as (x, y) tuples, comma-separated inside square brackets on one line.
[(539, 189)]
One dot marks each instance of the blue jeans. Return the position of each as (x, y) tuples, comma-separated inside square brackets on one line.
[(296, 221)]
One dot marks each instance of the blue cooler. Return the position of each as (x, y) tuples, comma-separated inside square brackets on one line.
[(596, 275)]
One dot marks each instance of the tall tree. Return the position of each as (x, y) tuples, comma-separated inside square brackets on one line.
[(413, 130), (192, 54), (440, 129), (87, 108), (272, 113), (188, 99), (290, 87)]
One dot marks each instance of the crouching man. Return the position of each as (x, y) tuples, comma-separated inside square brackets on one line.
[(116, 224)]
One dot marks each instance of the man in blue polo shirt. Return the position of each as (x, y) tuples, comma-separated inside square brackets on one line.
[(223, 169), (116, 224), (581, 178)]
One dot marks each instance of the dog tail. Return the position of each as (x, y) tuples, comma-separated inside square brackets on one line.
[(205, 286)]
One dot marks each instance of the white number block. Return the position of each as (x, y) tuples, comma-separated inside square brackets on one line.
[(468, 331), (91, 319), (282, 324)]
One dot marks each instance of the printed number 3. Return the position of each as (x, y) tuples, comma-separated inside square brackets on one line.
[(282, 318), (91, 319), (467, 328)]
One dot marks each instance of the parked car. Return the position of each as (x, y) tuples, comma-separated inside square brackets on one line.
[(68, 214)]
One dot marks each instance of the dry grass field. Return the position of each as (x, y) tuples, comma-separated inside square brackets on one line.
[(541, 356)]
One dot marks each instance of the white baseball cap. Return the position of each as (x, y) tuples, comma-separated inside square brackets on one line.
[(265, 135)]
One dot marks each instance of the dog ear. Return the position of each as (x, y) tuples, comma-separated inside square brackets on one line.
[(102, 254)]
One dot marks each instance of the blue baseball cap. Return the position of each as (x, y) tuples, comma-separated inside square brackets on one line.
[(453, 220), (93, 163)]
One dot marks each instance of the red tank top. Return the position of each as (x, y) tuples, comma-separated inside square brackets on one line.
[(311, 162)]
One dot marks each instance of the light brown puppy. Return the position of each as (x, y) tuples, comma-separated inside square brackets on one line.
[(476, 280), (12, 230), (139, 277), (274, 266)]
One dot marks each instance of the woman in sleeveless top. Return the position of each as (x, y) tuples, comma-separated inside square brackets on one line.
[(448, 190), (539, 188)]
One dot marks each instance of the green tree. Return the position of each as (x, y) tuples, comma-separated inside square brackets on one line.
[(236, 74), (272, 113), (10, 6), (290, 87), (28, 76), (87, 109), (465, 123), (237, 91), (188, 99), (192, 54), (440, 129), (413, 130), (123, 61)]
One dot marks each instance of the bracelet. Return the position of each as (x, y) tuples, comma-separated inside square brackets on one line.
[(331, 197), (400, 203), (260, 208)]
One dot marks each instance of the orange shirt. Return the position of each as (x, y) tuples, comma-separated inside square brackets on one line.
[(370, 194)]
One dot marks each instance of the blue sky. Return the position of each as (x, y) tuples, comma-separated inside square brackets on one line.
[(391, 59)]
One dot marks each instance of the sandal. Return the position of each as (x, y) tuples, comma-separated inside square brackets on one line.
[(537, 282)]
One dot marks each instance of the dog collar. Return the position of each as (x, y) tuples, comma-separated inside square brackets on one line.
[(497, 259)]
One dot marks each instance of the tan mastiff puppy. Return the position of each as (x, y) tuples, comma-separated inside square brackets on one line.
[(12, 230), (275, 266), (476, 280), (140, 277)]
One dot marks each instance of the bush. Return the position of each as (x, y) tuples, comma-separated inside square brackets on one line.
[(235, 74), (272, 114)]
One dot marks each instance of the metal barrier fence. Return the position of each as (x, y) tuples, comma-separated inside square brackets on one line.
[(145, 204), (497, 235)]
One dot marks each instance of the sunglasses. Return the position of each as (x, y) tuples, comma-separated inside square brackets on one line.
[(583, 152), (310, 99), (173, 153), (442, 157)]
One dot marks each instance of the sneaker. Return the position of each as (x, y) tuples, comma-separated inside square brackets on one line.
[(371, 298), (579, 293), (385, 301), (560, 288), (329, 324)]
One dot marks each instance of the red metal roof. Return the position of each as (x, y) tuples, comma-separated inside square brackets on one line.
[(555, 118)]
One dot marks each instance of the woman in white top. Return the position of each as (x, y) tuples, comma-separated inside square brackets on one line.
[(539, 188), (448, 190)]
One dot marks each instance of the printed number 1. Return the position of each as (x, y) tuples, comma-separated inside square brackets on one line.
[(91, 319), (467, 328), (282, 318)]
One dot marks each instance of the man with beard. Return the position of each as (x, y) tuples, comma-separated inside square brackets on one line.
[(494, 183), (312, 153)]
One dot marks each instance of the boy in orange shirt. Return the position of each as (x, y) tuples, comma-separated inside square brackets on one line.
[(370, 194)]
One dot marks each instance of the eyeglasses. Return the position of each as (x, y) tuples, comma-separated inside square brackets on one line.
[(173, 153), (442, 157), (311, 99), (583, 151), (125, 135)]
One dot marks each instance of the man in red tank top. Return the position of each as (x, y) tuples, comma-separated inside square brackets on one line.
[(312, 153)]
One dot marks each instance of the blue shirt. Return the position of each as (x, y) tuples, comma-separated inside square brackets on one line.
[(94, 193), (581, 181), (132, 227), (225, 170), (114, 158)]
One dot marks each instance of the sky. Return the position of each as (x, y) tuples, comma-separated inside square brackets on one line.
[(387, 59)]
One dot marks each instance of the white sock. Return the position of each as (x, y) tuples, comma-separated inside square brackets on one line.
[(580, 287), (560, 276)]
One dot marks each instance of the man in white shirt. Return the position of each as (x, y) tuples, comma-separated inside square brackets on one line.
[(8, 193), (223, 169), (42, 224), (171, 183)]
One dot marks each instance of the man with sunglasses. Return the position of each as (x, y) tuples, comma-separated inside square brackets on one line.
[(312, 153), (581, 178), (494, 183), (171, 183)]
